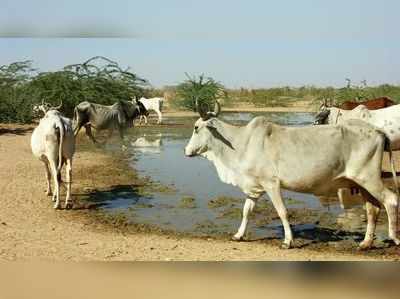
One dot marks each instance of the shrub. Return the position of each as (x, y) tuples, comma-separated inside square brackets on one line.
[(205, 90), (97, 80)]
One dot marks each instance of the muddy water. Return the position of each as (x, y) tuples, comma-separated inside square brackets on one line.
[(197, 202)]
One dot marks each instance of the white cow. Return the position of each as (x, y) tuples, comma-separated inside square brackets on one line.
[(262, 157), (154, 104), (386, 119), (53, 143)]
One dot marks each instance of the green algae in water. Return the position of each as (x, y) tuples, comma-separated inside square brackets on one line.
[(222, 201), (233, 213), (187, 202)]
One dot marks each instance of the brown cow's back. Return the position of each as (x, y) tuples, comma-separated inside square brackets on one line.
[(372, 104)]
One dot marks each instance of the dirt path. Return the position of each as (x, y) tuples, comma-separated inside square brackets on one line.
[(31, 229)]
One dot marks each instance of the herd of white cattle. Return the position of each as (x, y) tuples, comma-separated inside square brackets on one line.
[(343, 150)]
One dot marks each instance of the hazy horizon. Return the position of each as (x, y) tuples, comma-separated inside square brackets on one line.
[(257, 44)]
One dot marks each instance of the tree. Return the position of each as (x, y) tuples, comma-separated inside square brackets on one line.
[(98, 79), (203, 89)]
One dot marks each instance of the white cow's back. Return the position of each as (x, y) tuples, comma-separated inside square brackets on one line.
[(154, 104), (44, 137), (386, 119)]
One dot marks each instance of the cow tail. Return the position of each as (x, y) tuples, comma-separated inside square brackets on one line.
[(61, 144), (392, 166)]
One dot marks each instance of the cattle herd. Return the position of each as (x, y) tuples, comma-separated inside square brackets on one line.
[(342, 150)]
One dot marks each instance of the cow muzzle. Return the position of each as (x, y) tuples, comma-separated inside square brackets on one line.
[(189, 153)]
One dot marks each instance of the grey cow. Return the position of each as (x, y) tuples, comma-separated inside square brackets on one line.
[(262, 157), (117, 116)]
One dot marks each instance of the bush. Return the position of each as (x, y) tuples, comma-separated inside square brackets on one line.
[(204, 90), (97, 80), (16, 96), (286, 96)]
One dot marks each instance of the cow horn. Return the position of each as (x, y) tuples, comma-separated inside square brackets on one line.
[(323, 105), (204, 114), (58, 107), (217, 110)]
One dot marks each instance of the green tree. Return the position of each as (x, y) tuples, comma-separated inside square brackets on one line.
[(98, 80), (15, 95), (203, 89)]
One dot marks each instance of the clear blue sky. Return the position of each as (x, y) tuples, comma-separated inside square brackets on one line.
[(240, 43)]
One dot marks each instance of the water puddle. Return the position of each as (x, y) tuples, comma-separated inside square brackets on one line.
[(195, 200)]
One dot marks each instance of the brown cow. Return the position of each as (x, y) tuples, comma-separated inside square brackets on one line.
[(372, 104)]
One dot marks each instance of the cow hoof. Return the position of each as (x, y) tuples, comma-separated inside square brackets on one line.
[(49, 193), (237, 239), (396, 241), (286, 245), (57, 206), (364, 245), (68, 206)]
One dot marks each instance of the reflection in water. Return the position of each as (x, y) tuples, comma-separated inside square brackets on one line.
[(157, 152), (148, 144)]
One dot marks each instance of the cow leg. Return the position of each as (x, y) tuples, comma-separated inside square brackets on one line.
[(109, 135), (121, 133), (274, 192), (247, 209), (372, 207), (68, 199), (77, 129), (341, 192), (56, 194), (390, 202), (159, 116), (48, 178), (88, 130), (145, 119), (372, 216)]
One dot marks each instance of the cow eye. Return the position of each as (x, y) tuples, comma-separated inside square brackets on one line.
[(196, 128)]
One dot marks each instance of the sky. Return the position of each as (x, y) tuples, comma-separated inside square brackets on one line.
[(239, 43)]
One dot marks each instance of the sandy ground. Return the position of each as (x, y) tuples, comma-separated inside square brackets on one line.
[(31, 229)]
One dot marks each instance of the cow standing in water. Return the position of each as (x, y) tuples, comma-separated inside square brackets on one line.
[(262, 157), (154, 104), (117, 116)]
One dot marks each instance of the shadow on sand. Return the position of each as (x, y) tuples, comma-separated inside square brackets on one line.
[(304, 237), (15, 131), (101, 198)]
